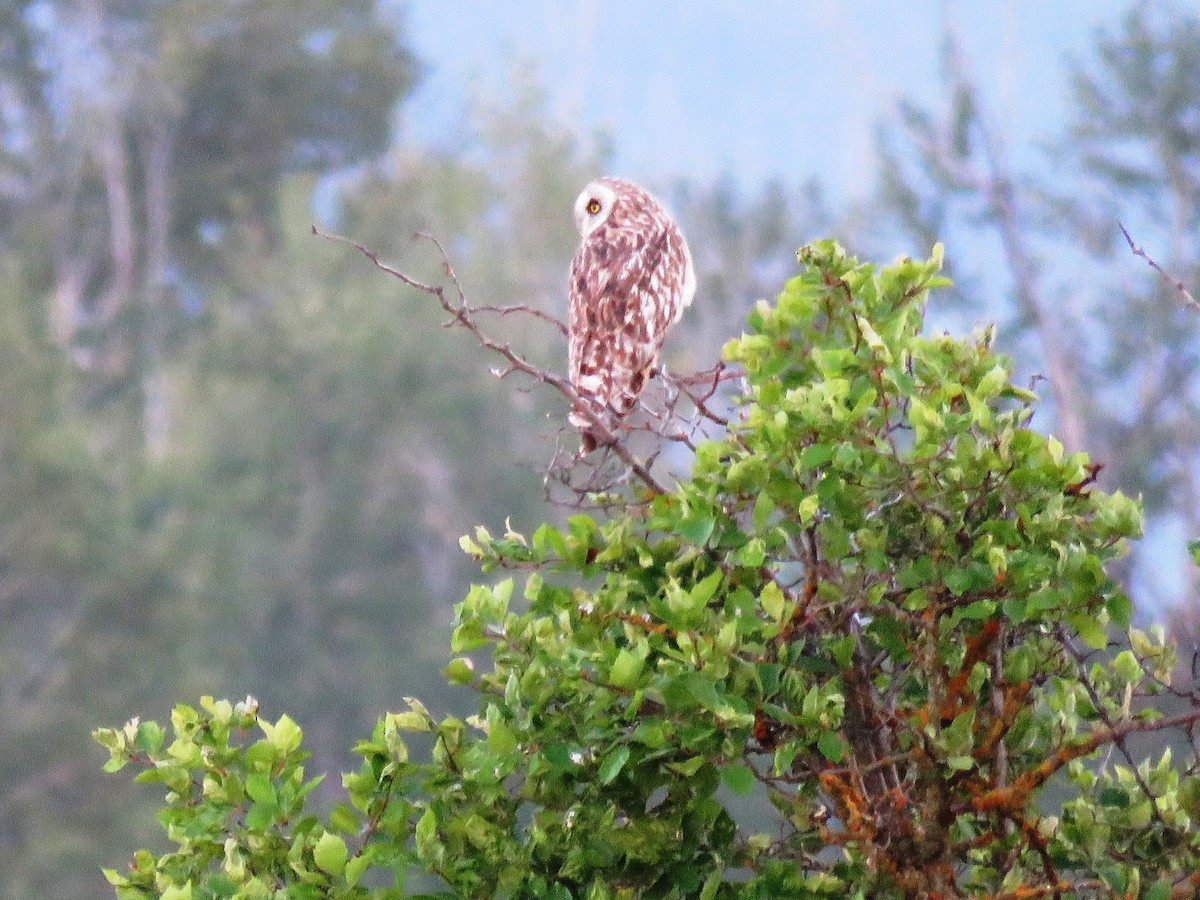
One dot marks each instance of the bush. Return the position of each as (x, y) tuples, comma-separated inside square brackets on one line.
[(878, 606)]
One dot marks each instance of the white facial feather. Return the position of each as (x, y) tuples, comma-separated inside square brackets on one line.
[(587, 217)]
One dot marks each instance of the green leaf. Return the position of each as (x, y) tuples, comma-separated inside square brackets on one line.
[(500, 737), (690, 766), (764, 507), (149, 737), (416, 718), (628, 666), (992, 383), (109, 738), (979, 609), (260, 788), (460, 670), (1115, 797), (547, 538), (1120, 609), (1126, 667), (738, 777), (177, 778), (843, 650), (703, 591), (816, 455), (772, 600), (751, 555), (261, 816), (426, 836), (344, 819), (702, 689), (114, 877), (1189, 796), (560, 755), (467, 635), (284, 734), (356, 865), (1089, 629), (697, 527), (613, 763), (847, 457), (651, 733), (831, 746), (808, 508), (329, 853)]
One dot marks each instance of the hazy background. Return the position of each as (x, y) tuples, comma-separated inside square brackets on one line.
[(236, 459), (749, 92)]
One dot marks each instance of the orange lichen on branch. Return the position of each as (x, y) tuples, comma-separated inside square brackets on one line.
[(998, 726), (852, 805), (1059, 888), (642, 622), (958, 697), (1013, 798)]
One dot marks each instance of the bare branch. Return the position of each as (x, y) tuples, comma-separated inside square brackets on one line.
[(600, 478), (1188, 300)]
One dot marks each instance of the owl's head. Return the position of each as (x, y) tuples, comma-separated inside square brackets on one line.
[(594, 206)]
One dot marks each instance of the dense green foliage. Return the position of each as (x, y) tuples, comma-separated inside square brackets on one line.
[(879, 602), (1118, 351)]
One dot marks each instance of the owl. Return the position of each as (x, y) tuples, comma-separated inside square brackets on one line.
[(631, 279)]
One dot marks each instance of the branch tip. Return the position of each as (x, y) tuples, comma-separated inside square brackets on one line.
[(1174, 282)]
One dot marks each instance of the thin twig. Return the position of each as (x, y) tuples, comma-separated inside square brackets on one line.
[(523, 309), (1174, 282)]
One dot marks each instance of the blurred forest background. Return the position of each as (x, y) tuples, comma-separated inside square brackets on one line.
[(236, 459)]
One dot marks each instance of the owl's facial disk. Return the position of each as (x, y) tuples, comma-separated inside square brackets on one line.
[(593, 206)]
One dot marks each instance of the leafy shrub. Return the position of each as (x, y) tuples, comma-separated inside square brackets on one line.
[(878, 606)]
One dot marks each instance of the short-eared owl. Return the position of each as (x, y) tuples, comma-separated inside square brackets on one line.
[(630, 281)]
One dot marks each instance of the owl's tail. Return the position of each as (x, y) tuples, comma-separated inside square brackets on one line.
[(590, 435), (608, 403)]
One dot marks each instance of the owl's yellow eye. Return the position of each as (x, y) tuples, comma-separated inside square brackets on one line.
[(593, 206)]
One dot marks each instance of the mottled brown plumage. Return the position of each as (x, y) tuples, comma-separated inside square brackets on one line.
[(630, 281)]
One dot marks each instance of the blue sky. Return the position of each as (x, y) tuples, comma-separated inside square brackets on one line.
[(755, 90)]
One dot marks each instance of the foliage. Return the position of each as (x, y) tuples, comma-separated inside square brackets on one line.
[(1117, 348), (879, 604)]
